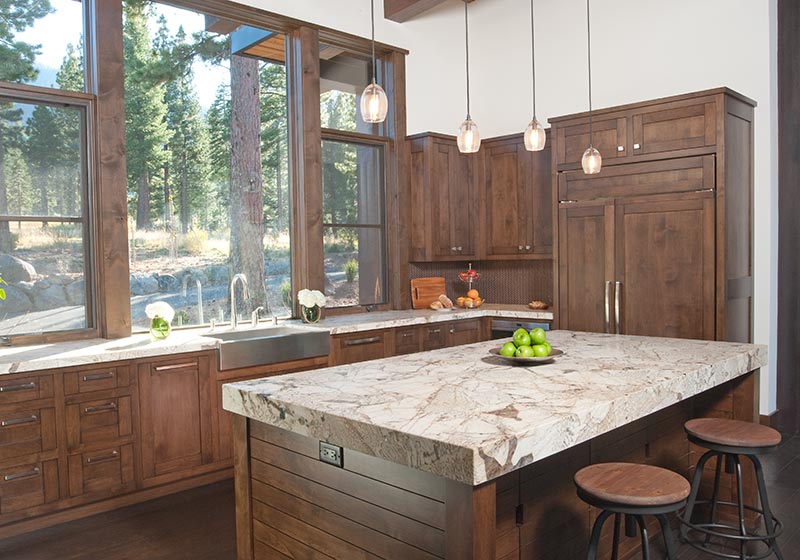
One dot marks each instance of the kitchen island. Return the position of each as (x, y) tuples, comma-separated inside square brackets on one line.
[(456, 454)]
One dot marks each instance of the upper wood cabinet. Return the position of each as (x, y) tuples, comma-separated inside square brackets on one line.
[(445, 200), (519, 205), (646, 130)]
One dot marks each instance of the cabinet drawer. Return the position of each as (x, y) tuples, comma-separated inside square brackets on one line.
[(102, 471), (21, 389), (609, 135), (407, 340), (28, 485), (25, 431), (359, 347), (98, 422), (435, 336), (465, 332), (86, 381)]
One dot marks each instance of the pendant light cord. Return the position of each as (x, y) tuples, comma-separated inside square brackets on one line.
[(372, 18), (533, 60), (466, 35), (589, 58)]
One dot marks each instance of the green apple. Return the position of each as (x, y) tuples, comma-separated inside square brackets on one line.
[(525, 352), (549, 347), (508, 349), (540, 350), (522, 338), (538, 336)]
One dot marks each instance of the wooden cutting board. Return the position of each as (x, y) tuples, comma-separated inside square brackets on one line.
[(425, 291)]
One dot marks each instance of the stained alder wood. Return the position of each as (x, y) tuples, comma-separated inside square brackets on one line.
[(733, 432), (631, 484)]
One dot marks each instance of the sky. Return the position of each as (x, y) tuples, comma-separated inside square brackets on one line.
[(62, 27)]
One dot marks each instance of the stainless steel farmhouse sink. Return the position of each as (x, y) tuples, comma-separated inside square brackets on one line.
[(246, 348)]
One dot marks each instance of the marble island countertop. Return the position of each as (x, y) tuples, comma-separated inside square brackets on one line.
[(17, 359), (469, 416)]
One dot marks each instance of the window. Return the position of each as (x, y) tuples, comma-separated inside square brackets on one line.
[(343, 77), (207, 162), (43, 230), (354, 225)]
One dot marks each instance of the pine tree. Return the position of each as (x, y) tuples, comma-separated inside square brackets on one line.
[(218, 123), (69, 175)]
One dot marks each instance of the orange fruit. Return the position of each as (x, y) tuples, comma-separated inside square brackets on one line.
[(473, 293), (469, 302), (460, 301)]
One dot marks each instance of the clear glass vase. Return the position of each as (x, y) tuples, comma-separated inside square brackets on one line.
[(159, 328), (311, 314)]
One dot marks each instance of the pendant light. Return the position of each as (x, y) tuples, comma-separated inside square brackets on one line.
[(374, 103), (469, 139), (534, 137), (591, 161)]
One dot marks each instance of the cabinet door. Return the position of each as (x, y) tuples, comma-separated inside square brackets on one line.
[(464, 332), (609, 135), (518, 200), (665, 249), (407, 340), (175, 415), (454, 201), (681, 127), (358, 347), (586, 265), (435, 336)]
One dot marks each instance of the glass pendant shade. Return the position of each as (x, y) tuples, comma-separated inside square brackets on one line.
[(374, 104), (591, 161), (535, 136), (469, 139)]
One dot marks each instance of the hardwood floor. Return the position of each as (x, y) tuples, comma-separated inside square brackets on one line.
[(199, 524)]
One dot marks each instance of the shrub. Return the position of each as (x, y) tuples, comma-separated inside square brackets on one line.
[(286, 294), (195, 242), (350, 270)]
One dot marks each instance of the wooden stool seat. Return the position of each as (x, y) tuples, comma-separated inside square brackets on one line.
[(732, 433), (630, 484)]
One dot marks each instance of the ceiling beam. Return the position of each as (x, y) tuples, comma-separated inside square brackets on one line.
[(404, 10)]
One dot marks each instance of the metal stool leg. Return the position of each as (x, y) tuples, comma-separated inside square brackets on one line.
[(595, 538), (615, 542), (714, 497), (698, 476), (740, 503), (669, 542), (762, 494), (645, 539)]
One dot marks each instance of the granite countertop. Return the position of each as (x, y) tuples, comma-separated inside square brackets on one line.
[(466, 415), (17, 359)]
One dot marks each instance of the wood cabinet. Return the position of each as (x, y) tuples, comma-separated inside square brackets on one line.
[(468, 331), (174, 414), (518, 209), (660, 241), (360, 347), (445, 200)]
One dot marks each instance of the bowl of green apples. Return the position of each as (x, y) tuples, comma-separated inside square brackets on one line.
[(528, 348)]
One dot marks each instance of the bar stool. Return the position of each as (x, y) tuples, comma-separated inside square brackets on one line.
[(728, 440), (635, 491)]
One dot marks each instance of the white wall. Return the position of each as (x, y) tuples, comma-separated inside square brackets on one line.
[(642, 49)]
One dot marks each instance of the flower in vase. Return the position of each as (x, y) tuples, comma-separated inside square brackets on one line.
[(310, 298), (160, 309)]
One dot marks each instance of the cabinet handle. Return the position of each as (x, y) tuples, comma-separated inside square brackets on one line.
[(608, 306), (519, 248), (18, 421), (22, 387), (27, 474), (636, 146), (434, 331), (175, 366), (620, 148), (527, 247), (92, 460), (98, 376), (459, 248), (100, 408), (617, 296), (452, 330), (361, 341), (454, 249), (405, 334)]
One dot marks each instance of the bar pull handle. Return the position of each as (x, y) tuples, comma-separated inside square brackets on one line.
[(608, 306), (617, 296), (113, 455), (405, 334), (99, 376), (26, 474), (362, 341), (435, 331), (21, 387), (175, 366), (18, 421), (100, 408)]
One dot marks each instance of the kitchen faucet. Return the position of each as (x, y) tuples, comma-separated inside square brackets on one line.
[(245, 293)]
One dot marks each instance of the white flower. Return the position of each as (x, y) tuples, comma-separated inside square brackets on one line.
[(160, 309), (310, 298)]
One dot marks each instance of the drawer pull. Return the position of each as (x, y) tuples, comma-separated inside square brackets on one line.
[(176, 366), (636, 146), (405, 334), (111, 457), (18, 421), (27, 474), (362, 341), (434, 331), (98, 376), (100, 408), (23, 387)]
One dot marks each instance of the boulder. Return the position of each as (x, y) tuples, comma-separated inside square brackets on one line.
[(193, 274), (17, 301), (76, 293), (15, 270), (26, 287), (52, 297), (168, 283), (60, 279), (218, 274), (143, 283)]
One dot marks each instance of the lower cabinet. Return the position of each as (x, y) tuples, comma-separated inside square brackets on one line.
[(104, 471), (360, 347), (27, 485)]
